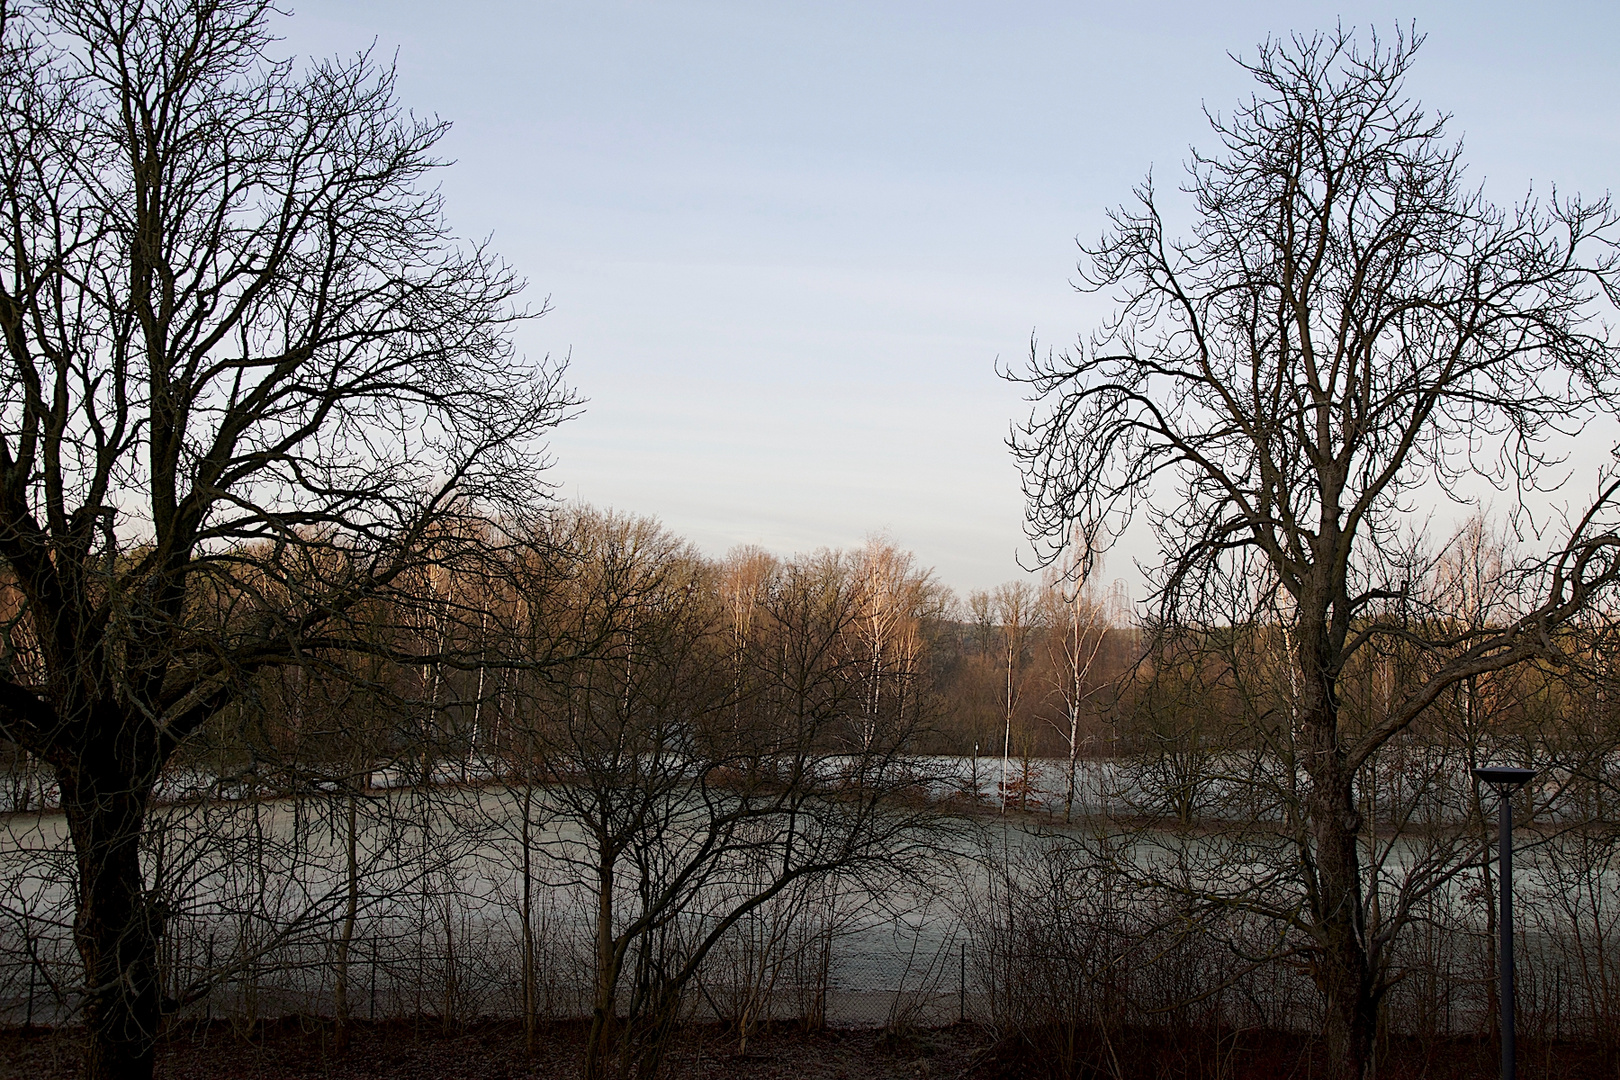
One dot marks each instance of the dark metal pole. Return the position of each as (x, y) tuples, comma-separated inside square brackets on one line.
[(1506, 780), (1505, 928)]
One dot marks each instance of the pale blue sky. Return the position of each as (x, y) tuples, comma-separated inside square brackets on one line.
[(786, 243)]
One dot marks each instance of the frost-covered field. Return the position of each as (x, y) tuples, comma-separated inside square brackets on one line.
[(256, 891)]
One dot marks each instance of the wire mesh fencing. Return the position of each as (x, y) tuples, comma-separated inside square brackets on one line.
[(437, 922)]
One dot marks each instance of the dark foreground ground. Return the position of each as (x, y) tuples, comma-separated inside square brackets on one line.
[(300, 1049)]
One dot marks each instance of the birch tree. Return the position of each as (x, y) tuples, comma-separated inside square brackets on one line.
[(1077, 621)]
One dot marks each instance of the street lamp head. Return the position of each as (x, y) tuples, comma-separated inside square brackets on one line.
[(1504, 776)]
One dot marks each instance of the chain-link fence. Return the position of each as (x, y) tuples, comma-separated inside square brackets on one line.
[(435, 919), (211, 972)]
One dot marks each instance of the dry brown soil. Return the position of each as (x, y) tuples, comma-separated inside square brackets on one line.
[(300, 1050)]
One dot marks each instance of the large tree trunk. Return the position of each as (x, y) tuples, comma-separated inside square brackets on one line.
[(1343, 971), (118, 927), (1341, 968)]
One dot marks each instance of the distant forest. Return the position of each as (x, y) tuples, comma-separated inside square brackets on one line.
[(1058, 670)]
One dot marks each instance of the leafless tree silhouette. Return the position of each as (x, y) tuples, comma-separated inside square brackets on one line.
[(1347, 323), (250, 380)]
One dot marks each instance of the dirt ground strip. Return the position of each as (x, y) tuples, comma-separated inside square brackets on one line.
[(294, 1050)]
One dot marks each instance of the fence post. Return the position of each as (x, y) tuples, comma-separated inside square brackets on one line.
[(28, 951), (208, 999), (962, 989)]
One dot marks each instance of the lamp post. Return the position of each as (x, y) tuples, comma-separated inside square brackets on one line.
[(1506, 780)]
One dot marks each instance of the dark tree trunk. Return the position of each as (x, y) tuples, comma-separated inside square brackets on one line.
[(1343, 972), (1341, 966), (652, 1037), (118, 926), (531, 987), (351, 902), (609, 957)]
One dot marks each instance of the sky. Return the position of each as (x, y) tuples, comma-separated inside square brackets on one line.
[(786, 245)]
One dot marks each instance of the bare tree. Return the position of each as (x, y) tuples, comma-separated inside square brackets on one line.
[(894, 597), (1010, 614), (1077, 621), (1348, 330), (705, 777), (250, 377)]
